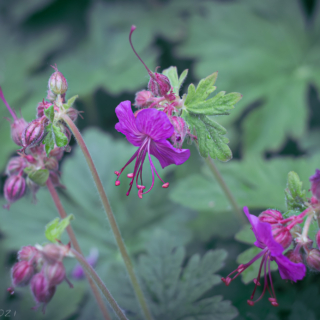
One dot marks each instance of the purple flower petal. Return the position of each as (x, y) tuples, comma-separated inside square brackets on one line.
[(167, 154), (290, 270), (127, 124), (155, 124)]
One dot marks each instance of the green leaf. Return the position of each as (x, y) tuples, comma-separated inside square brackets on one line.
[(48, 141), (59, 137), (218, 105), (49, 113), (295, 195), (55, 228), (40, 176), (210, 136), (70, 102), (252, 271), (172, 74)]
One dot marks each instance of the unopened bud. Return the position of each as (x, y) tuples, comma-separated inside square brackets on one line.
[(315, 184), (318, 239), (57, 82), (51, 163), (40, 288), (15, 165), (180, 131), (29, 253), (293, 256), (14, 189), (270, 216), (17, 128), (165, 185), (159, 84), (55, 273), (73, 114), (143, 99), (34, 132), (51, 96), (57, 153), (55, 179), (313, 259), (41, 107), (21, 273), (281, 235), (54, 253)]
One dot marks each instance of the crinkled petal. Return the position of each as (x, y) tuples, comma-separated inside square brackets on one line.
[(290, 270), (263, 233), (167, 154), (155, 124), (127, 124)]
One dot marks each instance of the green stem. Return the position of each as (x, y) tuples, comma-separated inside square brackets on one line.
[(86, 266), (75, 244), (226, 190), (110, 215)]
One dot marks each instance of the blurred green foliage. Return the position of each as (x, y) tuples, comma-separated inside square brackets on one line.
[(269, 51)]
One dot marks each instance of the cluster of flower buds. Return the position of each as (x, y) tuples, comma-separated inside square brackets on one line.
[(42, 269)]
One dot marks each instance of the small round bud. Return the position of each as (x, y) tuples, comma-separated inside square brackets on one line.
[(34, 132), (40, 288), (143, 99), (21, 273), (58, 83), (270, 216), (165, 185), (15, 165), (159, 84), (17, 128), (14, 189), (54, 253), (29, 253), (43, 105), (282, 235), (313, 259), (55, 273), (293, 256), (117, 183), (315, 184), (51, 163), (180, 131)]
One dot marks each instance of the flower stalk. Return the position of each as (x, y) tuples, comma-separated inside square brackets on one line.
[(110, 215), (86, 266), (75, 244)]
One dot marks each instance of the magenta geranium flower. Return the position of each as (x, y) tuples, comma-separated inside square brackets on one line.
[(271, 251), (149, 131)]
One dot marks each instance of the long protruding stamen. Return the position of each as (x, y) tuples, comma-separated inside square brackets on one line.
[(258, 278), (273, 299), (130, 35), (13, 114)]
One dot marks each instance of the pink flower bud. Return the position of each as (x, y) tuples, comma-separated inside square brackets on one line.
[(57, 153), (29, 253), (270, 216), (21, 273), (41, 107), (293, 256), (54, 253), (57, 82), (34, 132), (51, 96), (73, 114), (40, 288), (55, 273), (282, 235), (51, 163), (180, 131), (318, 239), (159, 84), (16, 165), (14, 189), (313, 259), (143, 99), (17, 128), (315, 184)]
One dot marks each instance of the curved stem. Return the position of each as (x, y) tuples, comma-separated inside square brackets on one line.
[(226, 190), (86, 266), (110, 215), (75, 244), (13, 114)]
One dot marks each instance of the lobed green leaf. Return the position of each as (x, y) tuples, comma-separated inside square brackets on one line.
[(55, 228)]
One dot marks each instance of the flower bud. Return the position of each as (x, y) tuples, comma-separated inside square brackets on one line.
[(159, 84), (55, 179), (143, 99), (17, 128), (57, 153), (51, 163), (40, 288), (54, 253), (51, 96), (14, 189), (315, 184), (293, 256), (29, 253), (318, 239), (313, 259), (55, 273), (41, 107), (33, 187), (34, 132), (180, 131), (57, 82), (281, 235), (270, 216), (15, 165), (21, 273), (73, 114)]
